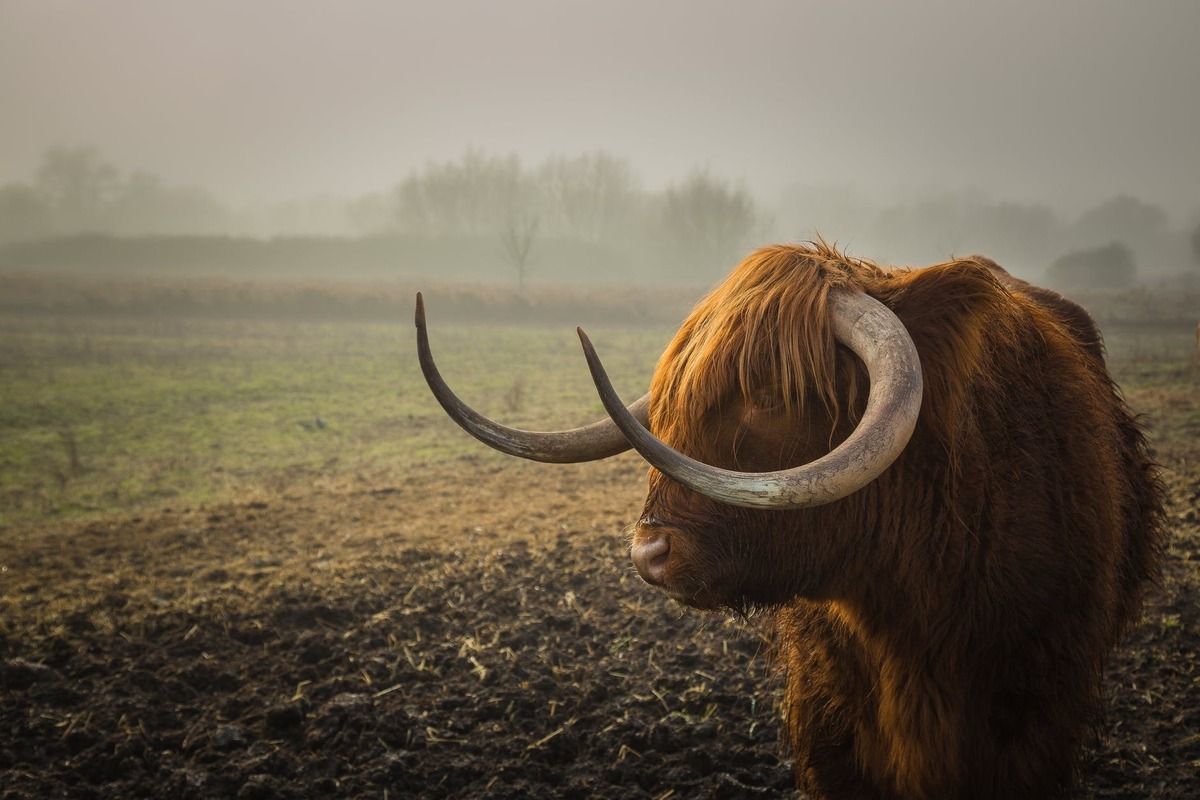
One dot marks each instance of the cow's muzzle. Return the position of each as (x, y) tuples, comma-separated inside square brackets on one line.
[(650, 549), (650, 552)]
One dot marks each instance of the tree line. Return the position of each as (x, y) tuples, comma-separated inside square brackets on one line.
[(694, 228), (572, 216)]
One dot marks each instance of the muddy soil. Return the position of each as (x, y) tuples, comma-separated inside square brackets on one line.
[(425, 640)]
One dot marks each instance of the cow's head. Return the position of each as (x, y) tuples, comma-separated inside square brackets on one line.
[(786, 390)]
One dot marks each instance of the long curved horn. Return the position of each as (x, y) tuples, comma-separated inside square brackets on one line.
[(872, 331), (599, 440)]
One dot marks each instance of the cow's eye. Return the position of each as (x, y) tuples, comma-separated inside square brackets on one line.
[(764, 401)]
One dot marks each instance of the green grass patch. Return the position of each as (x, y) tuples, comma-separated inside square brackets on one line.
[(101, 415)]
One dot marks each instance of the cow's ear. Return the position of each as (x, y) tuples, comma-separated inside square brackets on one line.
[(953, 312)]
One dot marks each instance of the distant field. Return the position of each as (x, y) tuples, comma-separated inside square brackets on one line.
[(1135, 350), (100, 415), (123, 414), (339, 299)]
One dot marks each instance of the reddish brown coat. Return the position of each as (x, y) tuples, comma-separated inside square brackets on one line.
[(943, 631)]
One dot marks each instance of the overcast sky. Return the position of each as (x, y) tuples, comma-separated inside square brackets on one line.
[(1064, 101)]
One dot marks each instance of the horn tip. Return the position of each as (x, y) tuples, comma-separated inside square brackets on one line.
[(589, 350), (420, 315)]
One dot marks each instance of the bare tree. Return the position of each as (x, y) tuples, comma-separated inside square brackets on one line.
[(588, 196), (470, 196), (77, 184), (708, 221), (517, 239)]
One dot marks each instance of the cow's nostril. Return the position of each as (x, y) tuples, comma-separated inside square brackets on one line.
[(650, 557)]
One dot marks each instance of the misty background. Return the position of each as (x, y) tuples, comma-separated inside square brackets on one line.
[(539, 143)]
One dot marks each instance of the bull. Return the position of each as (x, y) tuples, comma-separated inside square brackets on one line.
[(928, 484)]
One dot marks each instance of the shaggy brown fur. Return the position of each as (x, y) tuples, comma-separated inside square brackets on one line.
[(944, 629)]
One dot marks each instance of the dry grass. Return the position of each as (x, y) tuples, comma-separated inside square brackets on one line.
[(324, 300)]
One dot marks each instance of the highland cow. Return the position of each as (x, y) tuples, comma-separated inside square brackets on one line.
[(927, 483)]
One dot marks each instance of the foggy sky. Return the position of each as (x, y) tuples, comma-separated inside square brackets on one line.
[(1067, 102)]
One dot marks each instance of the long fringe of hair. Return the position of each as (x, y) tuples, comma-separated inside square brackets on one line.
[(765, 329)]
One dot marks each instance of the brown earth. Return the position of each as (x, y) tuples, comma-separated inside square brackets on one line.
[(472, 631)]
